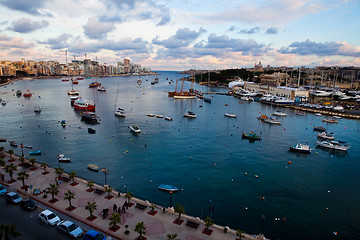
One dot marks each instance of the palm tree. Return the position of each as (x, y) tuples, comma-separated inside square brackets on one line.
[(90, 184), (22, 160), (53, 190), (2, 162), (172, 236), (152, 206), (129, 196), (72, 175), (22, 176), (68, 196), (7, 231), (43, 165), (59, 171), (180, 210), (114, 219), (1, 151), (10, 169), (91, 207), (208, 222), (240, 233), (32, 161), (11, 152), (140, 229), (108, 189)]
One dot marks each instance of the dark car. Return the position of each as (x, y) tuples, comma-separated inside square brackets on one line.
[(28, 204), (93, 235), (13, 198)]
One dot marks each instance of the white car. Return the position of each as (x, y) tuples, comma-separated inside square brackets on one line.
[(13, 198), (69, 228), (49, 217)]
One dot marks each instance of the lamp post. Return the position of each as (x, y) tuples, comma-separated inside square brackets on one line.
[(105, 172), (211, 208), (125, 190), (22, 149), (170, 198), (262, 223)]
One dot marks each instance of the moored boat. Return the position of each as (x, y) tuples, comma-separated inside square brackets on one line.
[(190, 114), (27, 93), (35, 152), (94, 84), (18, 93), (301, 148), (159, 116), (101, 89), (86, 105), (28, 146), (120, 113), (251, 136), (272, 121), (319, 129), (168, 118), (13, 144), (73, 92), (326, 135), (135, 129), (62, 158), (300, 113), (89, 117), (279, 113), (91, 131), (230, 115), (150, 115), (330, 120), (333, 145), (93, 167), (2, 139), (37, 109), (168, 188), (74, 81), (63, 123)]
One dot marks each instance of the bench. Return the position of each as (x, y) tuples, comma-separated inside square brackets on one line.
[(192, 224), (65, 179), (99, 191), (140, 206)]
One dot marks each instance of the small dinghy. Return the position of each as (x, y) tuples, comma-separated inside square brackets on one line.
[(93, 167), (62, 158), (91, 131), (35, 152), (168, 188)]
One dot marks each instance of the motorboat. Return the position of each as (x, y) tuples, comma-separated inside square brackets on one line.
[(300, 113), (62, 158), (135, 129), (150, 115), (37, 109), (251, 136), (230, 115), (87, 105), (13, 144), (120, 113), (319, 129), (89, 117), (74, 81), (18, 93), (279, 113), (168, 188), (101, 89), (337, 117), (3, 102), (283, 100), (338, 108), (27, 93), (319, 93), (333, 145), (168, 118), (94, 84), (93, 167), (159, 116), (73, 92), (35, 152), (27, 146), (65, 80), (318, 114), (330, 120), (91, 131), (208, 100), (63, 123), (272, 121), (326, 135), (190, 114), (139, 82), (301, 148)]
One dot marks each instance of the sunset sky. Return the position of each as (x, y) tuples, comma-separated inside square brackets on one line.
[(183, 34)]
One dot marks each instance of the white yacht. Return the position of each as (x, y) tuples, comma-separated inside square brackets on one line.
[(230, 115), (319, 93), (333, 145)]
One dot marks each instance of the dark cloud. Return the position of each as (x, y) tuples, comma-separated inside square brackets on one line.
[(33, 7), (25, 25), (145, 15), (182, 38), (308, 47), (232, 28), (165, 19), (250, 31), (106, 18), (58, 42), (95, 29), (271, 30)]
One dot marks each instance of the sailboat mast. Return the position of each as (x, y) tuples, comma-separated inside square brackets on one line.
[(299, 78), (192, 82), (117, 91)]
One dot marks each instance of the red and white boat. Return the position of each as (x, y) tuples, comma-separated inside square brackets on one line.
[(74, 81), (27, 93), (80, 78), (65, 80), (87, 105)]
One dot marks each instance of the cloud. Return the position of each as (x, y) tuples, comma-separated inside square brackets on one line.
[(25, 25), (182, 38), (58, 42), (95, 29), (33, 7), (271, 30), (232, 28), (308, 47), (7, 42), (250, 31)]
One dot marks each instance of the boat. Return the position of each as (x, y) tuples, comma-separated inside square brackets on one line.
[(120, 112), (3, 102), (153, 83), (326, 135), (272, 121), (72, 99), (168, 188), (37, 109), (318, 114), (89, 117), (63, 123), (150, 115), (301, 148), (251, 136), (91, 131), (79, 78), (230, 115), (184, 95), (139, 82), (2, 139), (65, 80), (333, 145), (35, 152), (319, 93), (338, 108), (190, 114), (73, 92), (94, 84), (208, 100), (337, 117), (319, 129), (93, 167), (27, 93), (27, 146), (62, 158), (88, 77), (74, 81), (13, 144), (18, 93), (101, 89), (135, 129), (159, 116), (87, 105), (156, 80), (262, 117), (168, 118), (279, 113), (300, 113), (330, 120)]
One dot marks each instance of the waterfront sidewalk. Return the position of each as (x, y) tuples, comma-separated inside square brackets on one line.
[(157, 226)]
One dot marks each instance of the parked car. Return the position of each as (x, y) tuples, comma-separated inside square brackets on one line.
[(2, 190), (13, 198), (93, 235), (28, 204), (49, 217), (69, 228)]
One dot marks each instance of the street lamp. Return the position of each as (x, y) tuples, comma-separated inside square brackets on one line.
[(262, 223), (22, 149), (211, 209), (105, 172), (170, 198)]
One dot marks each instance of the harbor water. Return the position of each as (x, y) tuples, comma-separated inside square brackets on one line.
[(244, 185)]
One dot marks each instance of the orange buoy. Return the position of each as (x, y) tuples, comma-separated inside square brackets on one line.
[(289, 162)]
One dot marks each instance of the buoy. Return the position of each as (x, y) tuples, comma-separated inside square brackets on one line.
[(130, 139), (151, 181), (246, 208), (289, 162), (232, 179), (329, 191), (256, 176), (109, 140), (246, 173)]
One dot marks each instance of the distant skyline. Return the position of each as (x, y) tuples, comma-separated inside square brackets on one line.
[(183, 34)]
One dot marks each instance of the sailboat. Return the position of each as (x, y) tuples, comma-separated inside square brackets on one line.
[(207, 99), (228, 114), (73, 92), (185, 94), (118, 112)]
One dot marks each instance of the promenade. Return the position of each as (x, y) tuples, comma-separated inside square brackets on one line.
[(157, 226)]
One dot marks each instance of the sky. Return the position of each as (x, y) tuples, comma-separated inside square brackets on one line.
[(183, 34)]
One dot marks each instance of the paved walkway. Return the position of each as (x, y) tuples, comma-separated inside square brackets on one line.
[(157, 226)]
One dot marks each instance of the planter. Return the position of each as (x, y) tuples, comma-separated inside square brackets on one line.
[(130, 204), (53, 200), (70, 209), (207, 231), (33, 168), (108, 197), (45, 173), (178, 222), (74, 184), (11, 181), (91, 218), (114, 229), (152, 212), (141, 238), (11, 160), (90, 190)]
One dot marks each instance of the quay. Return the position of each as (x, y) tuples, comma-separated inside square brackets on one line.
[(157, 226)]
